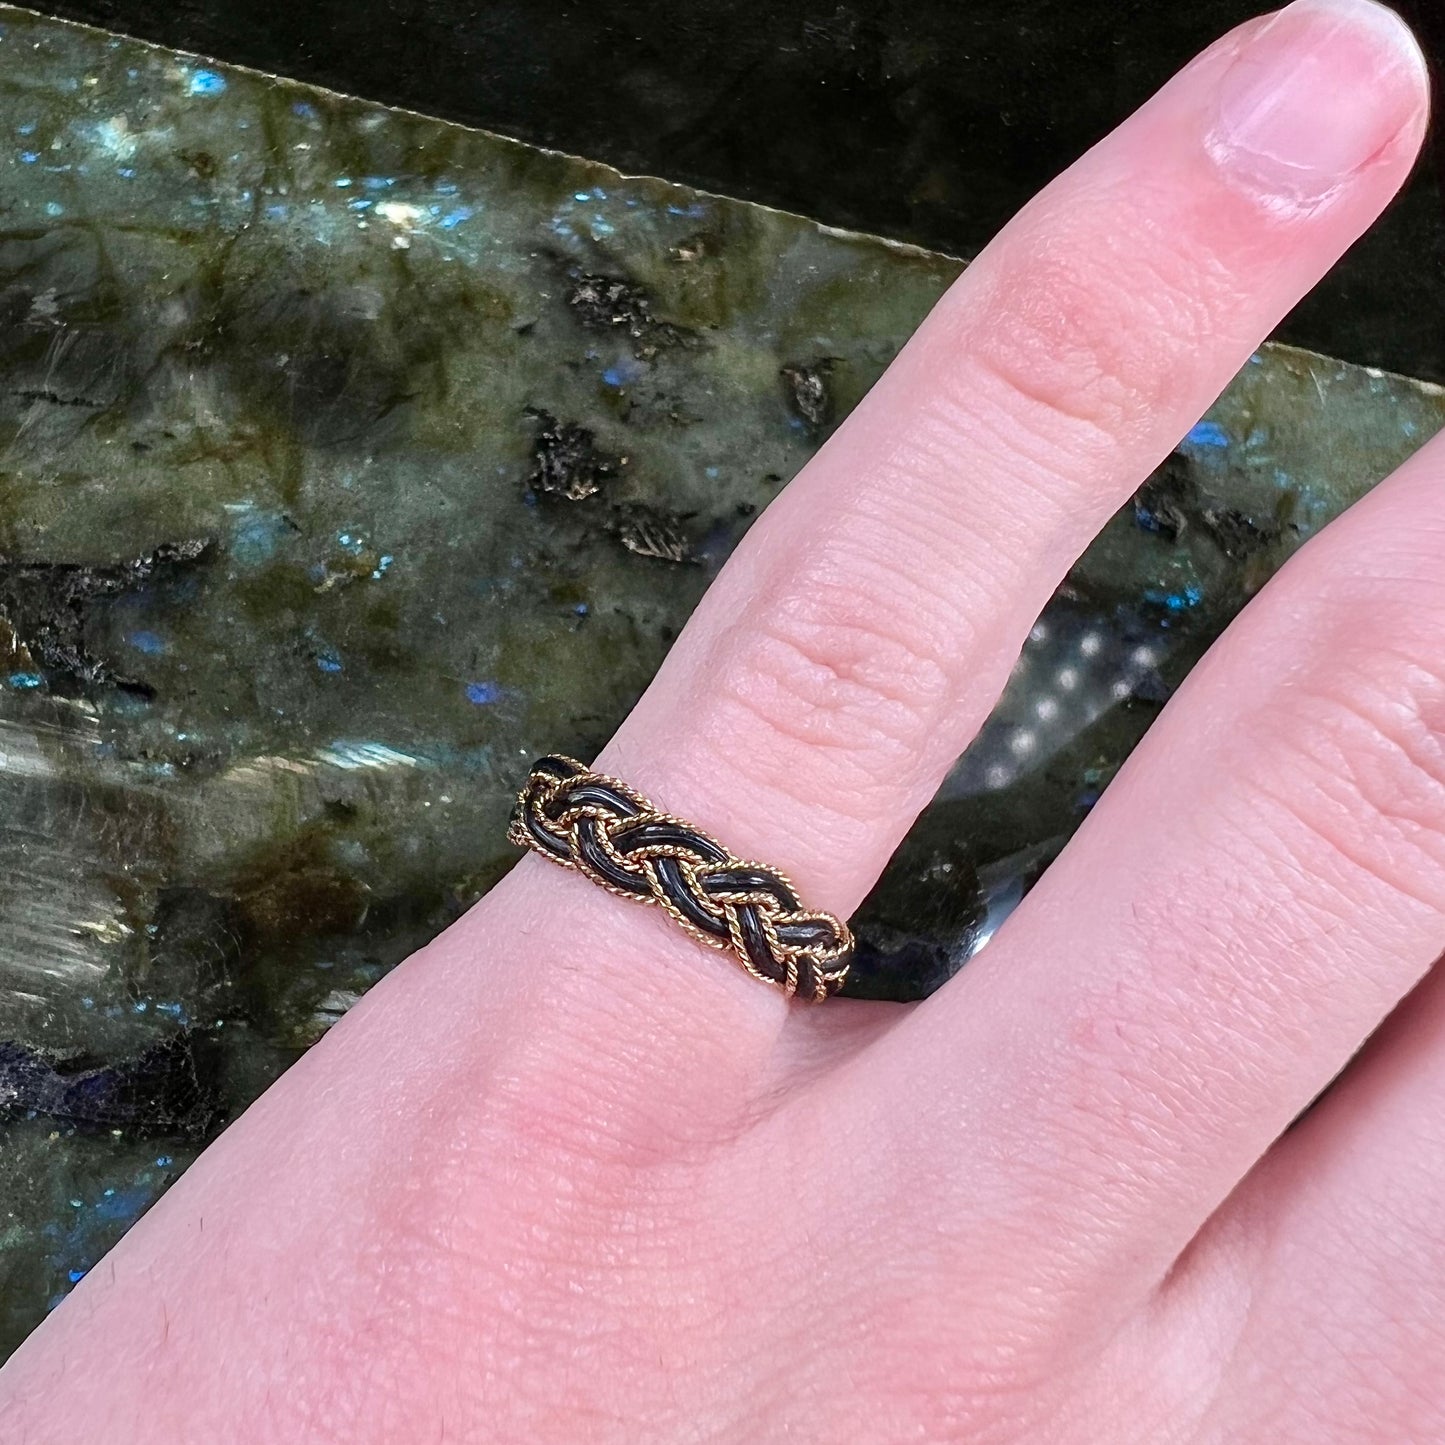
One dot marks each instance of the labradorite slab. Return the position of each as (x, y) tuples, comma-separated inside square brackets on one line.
[(348, 460), (932, 121)]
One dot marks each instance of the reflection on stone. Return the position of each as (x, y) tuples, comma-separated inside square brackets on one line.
[(350, 460)]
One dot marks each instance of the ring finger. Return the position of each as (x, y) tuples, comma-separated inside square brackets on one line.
[(853, 645)]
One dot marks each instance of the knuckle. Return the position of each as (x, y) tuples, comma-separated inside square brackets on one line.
[(1367, 757), (826, 668), (1092, 328)]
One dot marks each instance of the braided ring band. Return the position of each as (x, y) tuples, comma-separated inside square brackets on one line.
[(615, 837)]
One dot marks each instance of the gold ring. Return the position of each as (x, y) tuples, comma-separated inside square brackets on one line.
[(614, 836)]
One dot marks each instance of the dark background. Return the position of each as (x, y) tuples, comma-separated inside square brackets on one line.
[(927, 120)]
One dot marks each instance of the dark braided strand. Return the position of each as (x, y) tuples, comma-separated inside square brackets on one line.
[(616, 838)]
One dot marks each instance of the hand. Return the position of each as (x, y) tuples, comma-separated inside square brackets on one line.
[(566, 1176)]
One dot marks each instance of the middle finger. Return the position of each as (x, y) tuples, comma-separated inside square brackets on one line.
[(1259, 887)]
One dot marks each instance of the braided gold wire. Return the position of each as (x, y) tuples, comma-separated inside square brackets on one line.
[(552, 819)]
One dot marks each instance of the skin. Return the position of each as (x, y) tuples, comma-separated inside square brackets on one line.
[(566, 1176)]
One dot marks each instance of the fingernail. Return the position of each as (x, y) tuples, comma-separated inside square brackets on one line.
[(1315, 95)]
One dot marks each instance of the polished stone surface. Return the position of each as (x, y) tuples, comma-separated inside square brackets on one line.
[(931, 121), (348, 460)]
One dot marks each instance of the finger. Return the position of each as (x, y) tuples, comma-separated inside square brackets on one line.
[(1338, 1242), (1260, 886), (855, 642)]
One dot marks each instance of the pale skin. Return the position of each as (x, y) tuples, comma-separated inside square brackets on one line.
[(566, 1176)]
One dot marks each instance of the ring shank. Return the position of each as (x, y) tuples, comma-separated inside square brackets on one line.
[(601, 828)]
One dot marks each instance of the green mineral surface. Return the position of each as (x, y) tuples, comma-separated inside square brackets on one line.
[(348, 460)]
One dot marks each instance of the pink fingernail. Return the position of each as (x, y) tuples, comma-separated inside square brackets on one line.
[(1316, 95)]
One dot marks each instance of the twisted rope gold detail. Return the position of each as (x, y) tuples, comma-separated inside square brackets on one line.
[(614, 836)]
